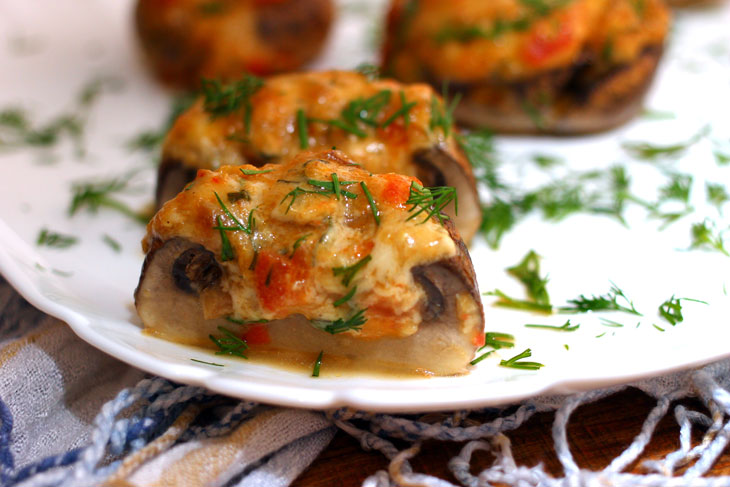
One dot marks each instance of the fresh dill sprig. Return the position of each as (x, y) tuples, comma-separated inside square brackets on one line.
[(653, 153), (517, 362), (295, 193), (498, 340), (206, 363), (252, 172), (442, 113), (479, 150), (371, 201), (403, 111), (528, 273), (57, 240), (333, 187), (505, 301), (112, 243), (229, 343), (497, 219), (220, 99), (297, 243), (671, 309), (360, 111), (345, 298), (95, 195), (481, 357), (302, 129), (705, 236), (246, 322), (348, 273), (238, 226), (604, 302), (678, 188), (353, 323), (717, 195), (317, 364), (567, 326), (431, 201), (226, 248), (610, 323)]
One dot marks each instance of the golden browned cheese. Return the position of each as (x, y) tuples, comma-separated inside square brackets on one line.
[(200, 140), (189, 39), (513, 40), (406, 130), (281, 232)]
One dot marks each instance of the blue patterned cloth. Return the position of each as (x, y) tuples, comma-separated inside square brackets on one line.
[(72, 416)]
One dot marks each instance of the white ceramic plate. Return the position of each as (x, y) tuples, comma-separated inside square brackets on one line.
[(49, 50)]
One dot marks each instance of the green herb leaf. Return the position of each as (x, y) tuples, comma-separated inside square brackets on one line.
[(567, 326), (56, 240), (226, 248), (506, 301), (302, 129), (112, 243), (353, 323), (348, 273), (238, 226), (431, 201), (95, 195), (317, 364), (206, 363), (604, 302), (706, 236), (517, 362), (345, 298), (229, 343), (528, 273), (650, 152), (481, 357), (251, 172), (371, 201), (221, 99)]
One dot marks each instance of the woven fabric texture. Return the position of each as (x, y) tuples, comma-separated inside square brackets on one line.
[(72, 416)]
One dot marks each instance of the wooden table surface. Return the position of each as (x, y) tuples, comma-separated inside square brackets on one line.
[(597, 433)]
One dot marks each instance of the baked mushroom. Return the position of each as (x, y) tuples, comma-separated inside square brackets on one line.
[(186, 40), (313, 255), (553, 66), (384, 125)]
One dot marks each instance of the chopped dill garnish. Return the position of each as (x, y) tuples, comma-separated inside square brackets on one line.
[(604, 302), (403, 111), (671, 309), (251, 172), (431, 201), (229, 343), (302, 129), (528, 273), (95, 195), (57, 240), (221, 99), (226, 248), (442, 113), (206, 363), (658, 327), (706, 236), (297, 243), (317, 364), (238, 196), (345, 298), (370, 71), (717, 195), (481, 357), (722, 159), (348, 273), (677, 189), (567, 326), (610, 323), (238, 226), (546, 160), (652, 153), (295, 193), (371, 201), (517, 362), (246, 322), (505, 301), (498, 340), (360, 111), (333, 187), (112, 243), (479, 150), (353, 323)]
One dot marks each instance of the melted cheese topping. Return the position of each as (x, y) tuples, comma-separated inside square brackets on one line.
[(201, 142), (285, 265), (223, 38), (511, 40)]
